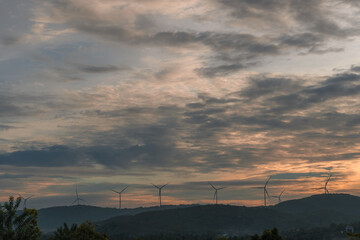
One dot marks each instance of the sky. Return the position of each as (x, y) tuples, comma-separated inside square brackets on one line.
[(104, 94)]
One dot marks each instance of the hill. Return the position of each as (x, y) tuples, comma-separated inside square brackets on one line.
[(208, 219), (51, 218), (314, 211), (321, 210)]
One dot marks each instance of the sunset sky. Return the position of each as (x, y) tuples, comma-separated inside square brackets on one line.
[(101, 94)]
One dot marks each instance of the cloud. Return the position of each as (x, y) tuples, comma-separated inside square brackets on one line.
[(269, 119), (54, 156), (100, 69), (316, 16), (10, 40), (307, 27), (5, 127)]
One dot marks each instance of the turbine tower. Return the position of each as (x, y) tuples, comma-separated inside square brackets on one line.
[(266, 194), (160, 188), (120, 195), (78, 199), (279, 196), (326, 191), (326, 183), (216, 193), (25, 199)]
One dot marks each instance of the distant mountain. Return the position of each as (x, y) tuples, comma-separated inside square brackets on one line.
[(342, 202), (321, 210), (208, 219), (51, 218), (314, 211)]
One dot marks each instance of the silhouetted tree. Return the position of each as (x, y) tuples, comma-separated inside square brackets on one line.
[(86, 231), (267, 235), (65, 233), (354, 235), (255, 237), (14, 226)]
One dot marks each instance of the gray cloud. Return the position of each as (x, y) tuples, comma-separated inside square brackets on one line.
[(309, 26), (5, 127), (10, 40), (54, 156), (100, 69), (268, 105), (14, 21), (355, 68), (222, 70), (313, 15), (274, 104)]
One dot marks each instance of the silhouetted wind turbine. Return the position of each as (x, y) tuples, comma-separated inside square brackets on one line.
[(216, 192), (326, 191), (78, 199), (25, 199), (266, 192), (279, 196), (160, 188), (120, 195)]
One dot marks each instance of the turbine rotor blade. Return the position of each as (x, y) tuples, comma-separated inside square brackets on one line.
[(282, 192), (164, 185), (327, 181), (124, 189), (155, 185), (267, 182), (114, 191), (212, 185)]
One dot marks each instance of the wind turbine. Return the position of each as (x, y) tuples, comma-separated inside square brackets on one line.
[(326, 191), (160, 188), (266, 192), (216, 192), (120, 195), (25, 199), (78, 199), (279, 196)]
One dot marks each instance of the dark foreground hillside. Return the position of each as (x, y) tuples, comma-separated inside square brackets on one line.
[(214, 219), (51, 218), (322, 210), (307, 213)]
